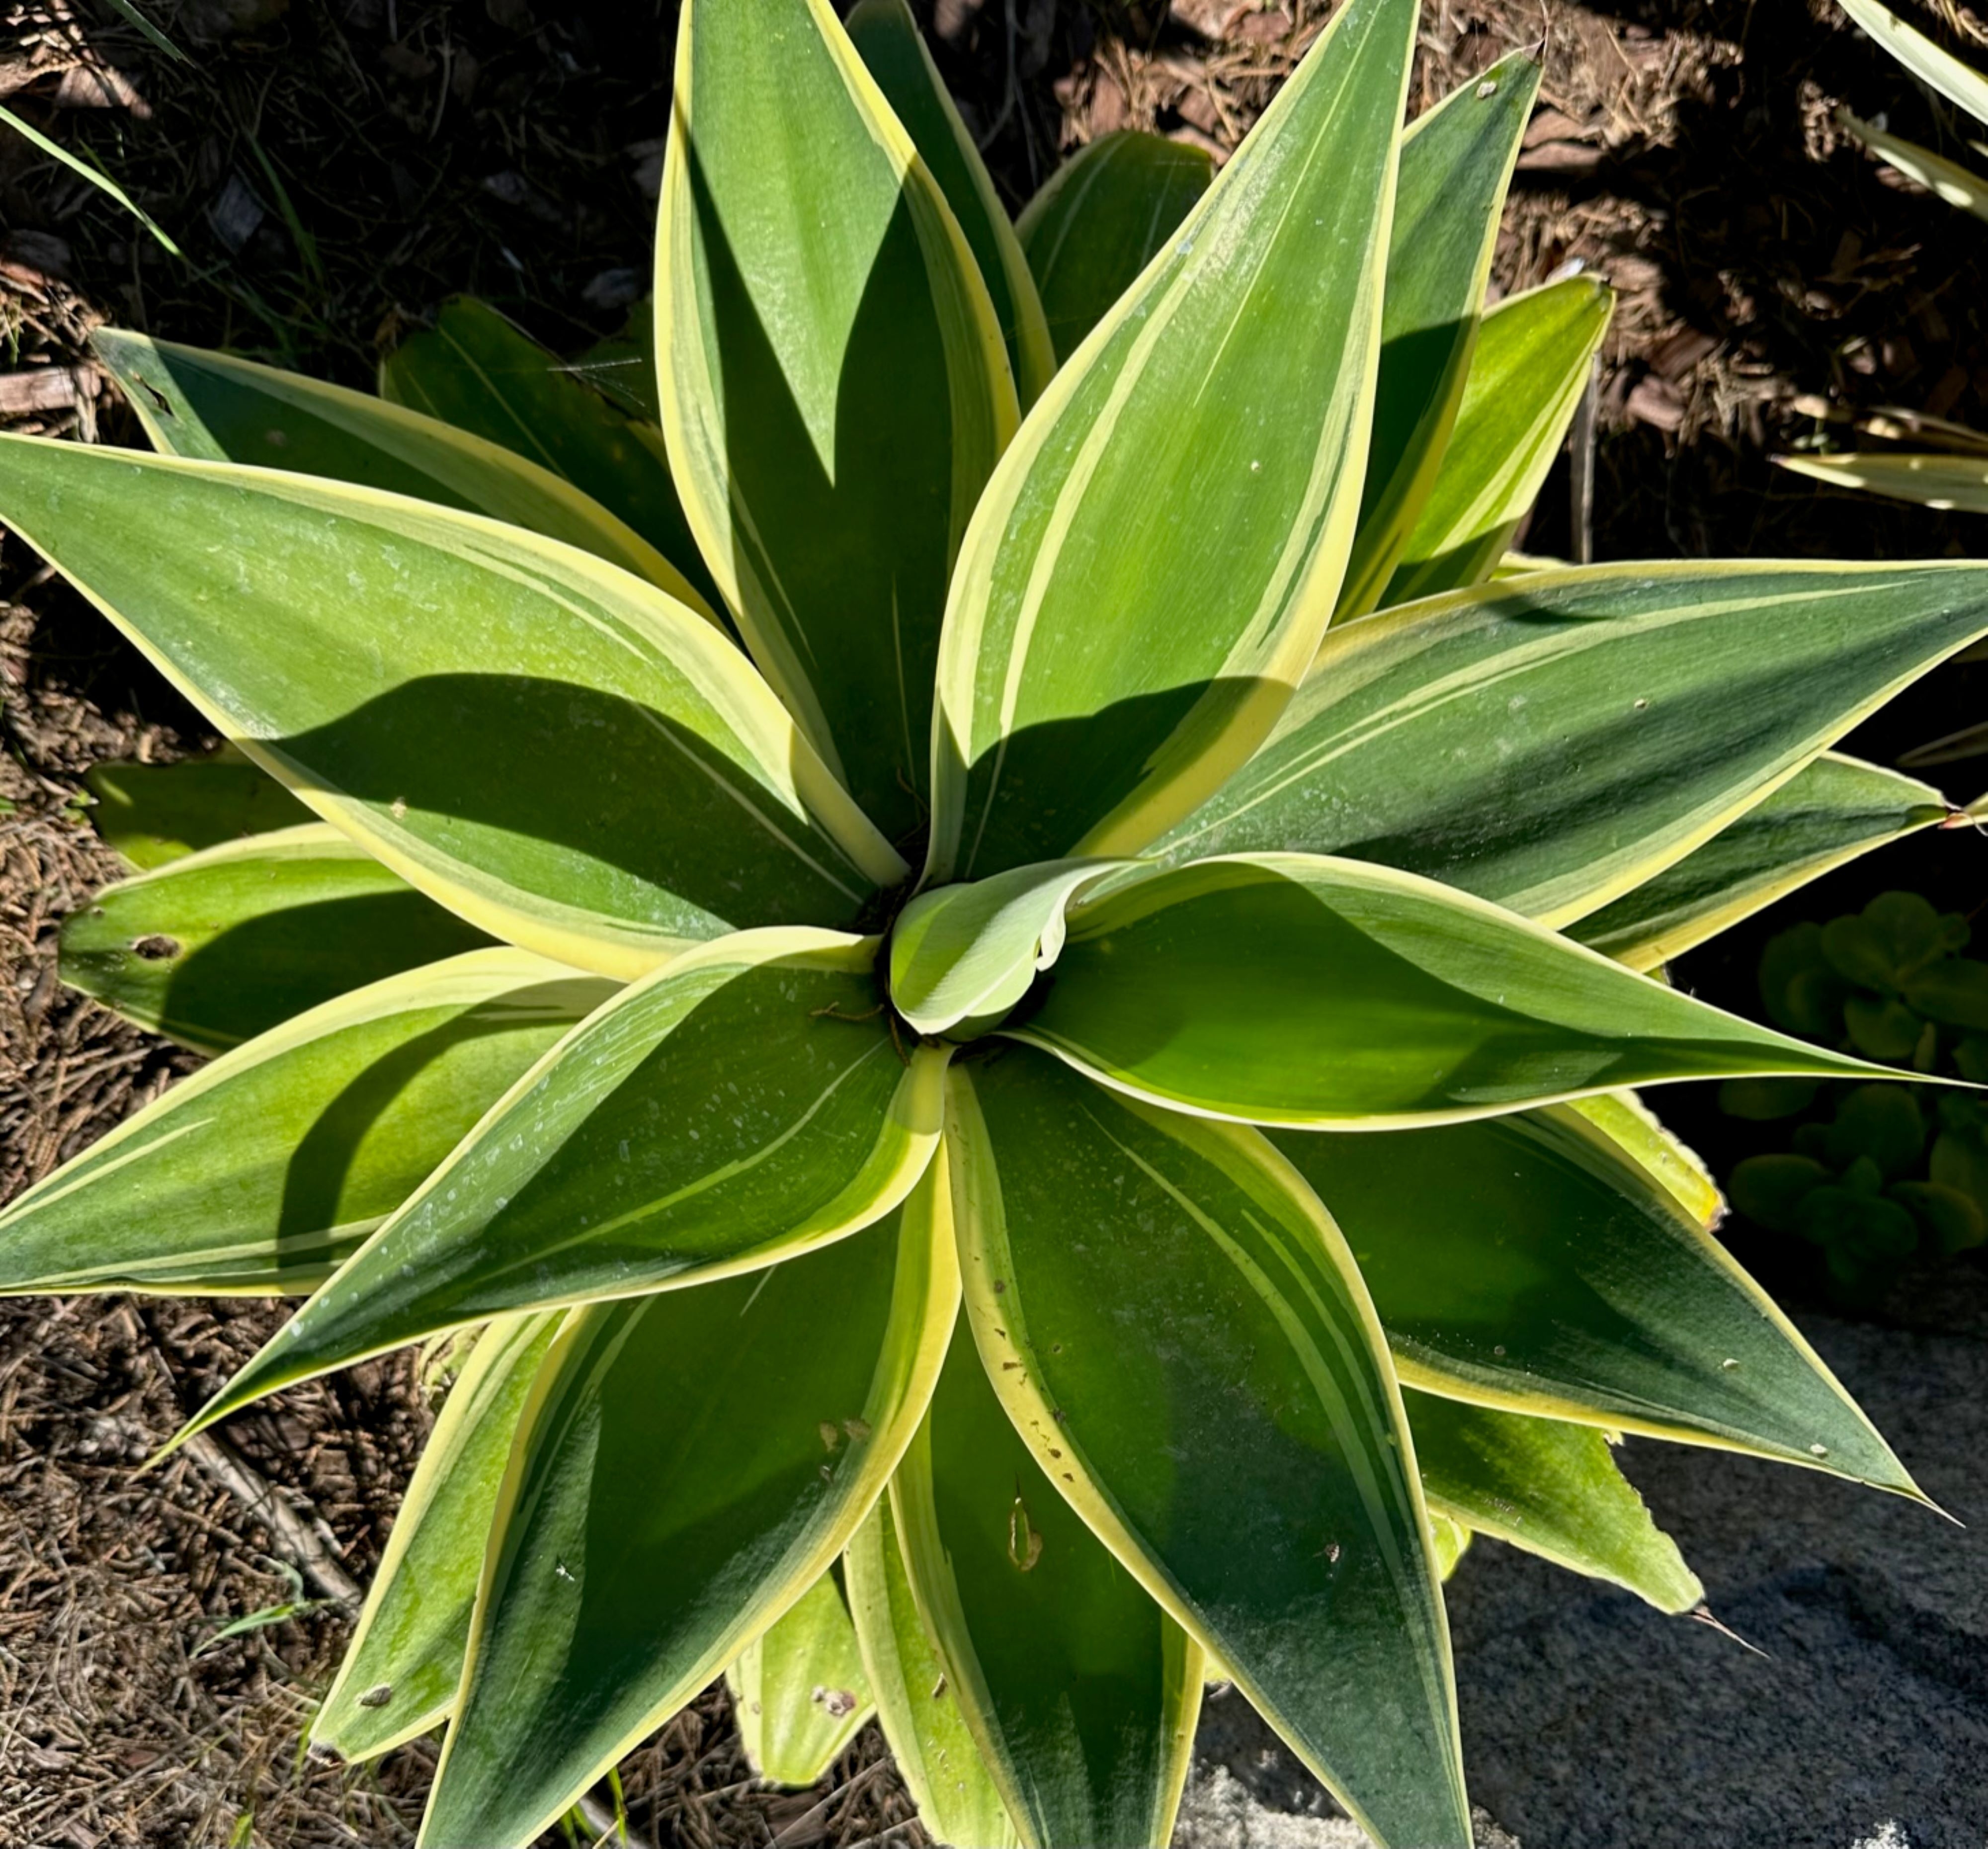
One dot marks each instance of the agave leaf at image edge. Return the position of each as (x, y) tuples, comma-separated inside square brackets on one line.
[(1081, 1693), (962, 952), (498, 718), (891, 46), (1551, 741), (798, 1690), (1559, 1263), (917, 1703), (1100, 218), (215, 947), (1961, 84), (1549, 1487), (1194, 471), (1953, 484), (267, 1169), (672, 1493), (1533, 356), (212, 408), (1317, 993), (478, 372), (1958, 186), (1831, 811), (739, 1107), (152, 813), (401, 1672), (834, 385), (1456, 162), (1179, 1334)]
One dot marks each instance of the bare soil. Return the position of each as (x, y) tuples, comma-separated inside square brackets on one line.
[(332, 168)]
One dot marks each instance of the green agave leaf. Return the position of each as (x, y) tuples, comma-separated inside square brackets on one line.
[(799, 1690), (215, 408), (152, 813), (1100, 218), (1456, 163), (478, 372), (888, 40), (1289, 988), (961, 953), (834, 386), (1958, 186), (1196, 472), (1532, 360), (917, 1701), (553, 749), (1180, 1335), (1559, 1263), (1961, 84), (1551, 1488), (218, 947), (1552, 741), (404, 1663), (688, 1465), (733, 1110), (267, 1169), (1830, 812), (1956, 484), (1081, 1692)]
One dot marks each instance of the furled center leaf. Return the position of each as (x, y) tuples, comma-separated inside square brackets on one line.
[(967, 951)]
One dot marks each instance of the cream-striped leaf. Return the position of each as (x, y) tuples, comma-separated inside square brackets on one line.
[(618, 1163), (1553, 741), (552, 748), (1180, 1335), (834, 385), (267, 1169), (152, 813), (1194, 472), (671, 1494), (1831, 811)]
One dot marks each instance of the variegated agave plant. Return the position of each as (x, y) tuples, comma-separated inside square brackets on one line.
[(963, 829)]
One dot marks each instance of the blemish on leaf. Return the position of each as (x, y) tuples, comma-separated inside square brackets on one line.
[(377, 1696), (836, 1702), (1025, 1546), (830, 1438), (858, 1429), (938, 1687), (156, 948)]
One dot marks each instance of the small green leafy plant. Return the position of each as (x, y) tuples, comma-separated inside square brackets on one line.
[(1888, 982), (999, 970)]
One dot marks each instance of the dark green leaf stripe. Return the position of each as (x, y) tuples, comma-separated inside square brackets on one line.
[(918, 1701), (401, 1670), (1100, 218), (215, 947), (798, 1689), (689, 1464), (615, 1165), (1552, 741), (474, 370), (1082, 1692), (266, 1169), (498, 718), (1549, 1487), (1830, 812), (1287, 989), (152, 813), (1559, 1263), (834, 385), (1192, 472), (1532, 359), (215, 408), (1180, 1334), (1456, 162), (887, 37)]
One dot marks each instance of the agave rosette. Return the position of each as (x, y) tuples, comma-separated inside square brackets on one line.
[(993, 1028)]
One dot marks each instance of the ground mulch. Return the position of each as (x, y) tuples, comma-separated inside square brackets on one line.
[(332, 169)]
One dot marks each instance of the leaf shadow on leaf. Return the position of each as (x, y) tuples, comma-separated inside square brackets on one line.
[(858, 549), (582, 796), (315, 1181), (258, 973)]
